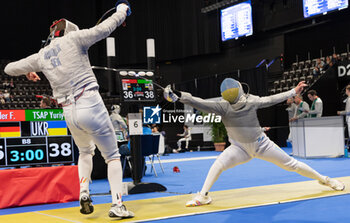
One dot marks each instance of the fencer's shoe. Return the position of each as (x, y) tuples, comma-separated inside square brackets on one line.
[(86, 206), (120, 212), (198, 200), (333, 183)]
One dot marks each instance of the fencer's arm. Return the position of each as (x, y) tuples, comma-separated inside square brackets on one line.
[(268, 101), (217, 107), (347, 108), (122, 122), (23, 66), (318, 108), (88, 37), (342, 112)]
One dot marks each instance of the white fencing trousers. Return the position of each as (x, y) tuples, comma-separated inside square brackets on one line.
[(263, 149), (187, 140), (90, 125)]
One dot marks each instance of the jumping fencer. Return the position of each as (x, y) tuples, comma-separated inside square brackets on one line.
[(239, 115), (66, 65)]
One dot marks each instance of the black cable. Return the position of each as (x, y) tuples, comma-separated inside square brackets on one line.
[(104, 15)]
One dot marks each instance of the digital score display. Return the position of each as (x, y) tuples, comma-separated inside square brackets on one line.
[(137, 90), (236, 21), (36, 150), (316, 7)]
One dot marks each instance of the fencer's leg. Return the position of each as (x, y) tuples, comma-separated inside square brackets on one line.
[(92, 117), (269, 151), (231, 157), (107, 144), (215, 171), (84, 169), (115, 178), (86, 152), (179, 145), (187, 142), (102, 133)]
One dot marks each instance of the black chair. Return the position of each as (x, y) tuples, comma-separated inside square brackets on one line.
[(150, 147)]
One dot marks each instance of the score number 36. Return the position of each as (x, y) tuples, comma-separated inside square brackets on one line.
[(64, 149)]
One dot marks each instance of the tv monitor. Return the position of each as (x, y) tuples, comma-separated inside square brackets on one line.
[(312, 7), (236, 21)]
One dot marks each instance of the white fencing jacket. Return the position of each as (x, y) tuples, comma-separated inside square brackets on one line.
[(240, 119), (65, 61)]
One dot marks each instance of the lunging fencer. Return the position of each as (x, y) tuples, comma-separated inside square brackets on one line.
[(65, 63), (239, 115)]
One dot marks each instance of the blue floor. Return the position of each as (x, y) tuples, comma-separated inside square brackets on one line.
[(254, 173)]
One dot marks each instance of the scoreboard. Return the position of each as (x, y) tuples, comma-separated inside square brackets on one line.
[(315, 7), (236, 21), (36, 150), (137, 90), (30, 137)]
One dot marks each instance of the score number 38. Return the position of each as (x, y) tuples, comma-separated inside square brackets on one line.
[(64, 149)]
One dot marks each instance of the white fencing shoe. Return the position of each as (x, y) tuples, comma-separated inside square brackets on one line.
[(333, 183), (120, 212), (86, 206), (198, 200)]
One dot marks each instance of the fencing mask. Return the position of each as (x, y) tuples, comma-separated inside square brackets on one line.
[(115, 109), (231, 90), (62, 27)]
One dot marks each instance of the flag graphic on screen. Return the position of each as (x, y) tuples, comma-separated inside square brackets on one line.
[(57, 128), (10, 129)]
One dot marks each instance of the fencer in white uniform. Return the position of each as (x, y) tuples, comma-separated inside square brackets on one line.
[(239, 115), (117, 120), (186, 137), (291, 109), (66, 65)]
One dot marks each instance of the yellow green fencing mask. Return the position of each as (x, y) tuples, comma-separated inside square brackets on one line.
[(231, 90)]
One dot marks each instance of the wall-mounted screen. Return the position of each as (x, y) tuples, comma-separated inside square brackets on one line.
[(236, 21), (316, 7)]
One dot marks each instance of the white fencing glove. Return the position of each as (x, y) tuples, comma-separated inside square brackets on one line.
[(169, 94)]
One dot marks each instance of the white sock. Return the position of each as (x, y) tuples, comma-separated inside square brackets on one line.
[(307, 171), (215, 170), (84, 169), (115, 178)]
